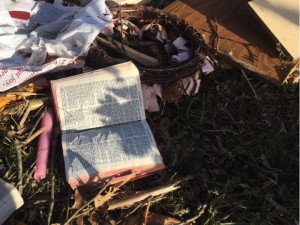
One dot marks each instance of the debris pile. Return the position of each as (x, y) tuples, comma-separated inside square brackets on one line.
[(80, 98)]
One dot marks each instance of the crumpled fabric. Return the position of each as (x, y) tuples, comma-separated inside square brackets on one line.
[(38, 37)]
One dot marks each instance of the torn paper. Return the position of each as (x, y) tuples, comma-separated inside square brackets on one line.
[(184, 53), (38, 37), (207, 67), (149, 97), (191, 85)]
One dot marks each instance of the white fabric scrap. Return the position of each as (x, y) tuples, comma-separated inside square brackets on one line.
[(55, 37)]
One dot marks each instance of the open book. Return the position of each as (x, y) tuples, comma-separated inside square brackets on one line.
[(103, 124)]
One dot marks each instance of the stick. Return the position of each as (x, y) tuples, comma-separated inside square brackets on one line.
[(20, 167), (131, 53), (136, 208), (202, 208), (36, 123), (68, 202), (164, 189), (147, 213), (23, 94), (29, 175), (37, 133), (256, 97), (52, 200), (30, 203), (24, 117)]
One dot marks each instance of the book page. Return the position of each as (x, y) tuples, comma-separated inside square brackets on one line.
[(99, 98), (91, 152)]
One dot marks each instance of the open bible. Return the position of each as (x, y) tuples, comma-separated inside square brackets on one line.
[(104, 128)]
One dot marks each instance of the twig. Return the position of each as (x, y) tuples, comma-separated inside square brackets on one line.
[(136, 208), (52, 200), (122, 202), (43, 200), (256, 96), (36, 123), (38, 112), (84, 212), (23, 94), (20, 166), (88, 203), (68, 202), (202, 208), (24, 117), (29, 176), (146, 213), (37, 133)]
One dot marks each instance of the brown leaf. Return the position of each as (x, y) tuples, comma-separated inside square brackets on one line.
[(78, 200)]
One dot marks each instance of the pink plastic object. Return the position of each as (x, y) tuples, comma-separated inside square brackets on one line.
[(44, 146)]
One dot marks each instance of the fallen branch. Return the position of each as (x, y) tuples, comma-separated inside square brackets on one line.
[(161, 190)]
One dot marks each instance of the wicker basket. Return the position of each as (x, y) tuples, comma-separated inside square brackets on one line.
[(140, 16)]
